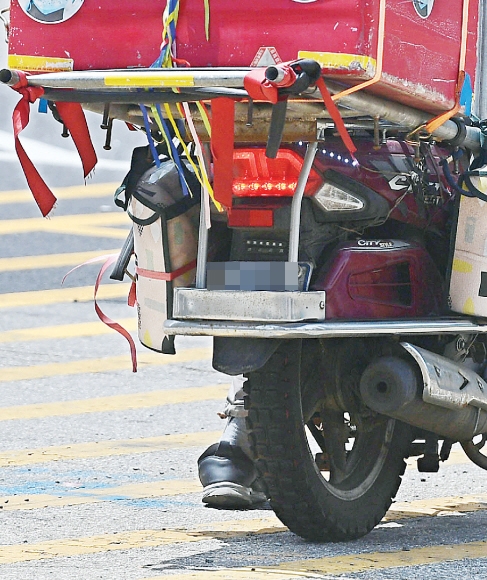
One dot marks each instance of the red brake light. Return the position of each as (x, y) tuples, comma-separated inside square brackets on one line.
[(255, 175)]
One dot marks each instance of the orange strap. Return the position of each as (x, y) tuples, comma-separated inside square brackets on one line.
[(379, 60)]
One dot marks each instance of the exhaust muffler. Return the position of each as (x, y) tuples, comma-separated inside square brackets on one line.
[(427, 391)]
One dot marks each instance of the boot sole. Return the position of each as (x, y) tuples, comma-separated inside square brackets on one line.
[(229, 495)]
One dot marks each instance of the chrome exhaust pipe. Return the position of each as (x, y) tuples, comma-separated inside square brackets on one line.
[(397, 387)]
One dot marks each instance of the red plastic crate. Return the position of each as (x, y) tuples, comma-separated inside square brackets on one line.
[(421, 44)]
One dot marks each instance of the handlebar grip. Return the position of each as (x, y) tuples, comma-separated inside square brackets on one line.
[(121, 264)]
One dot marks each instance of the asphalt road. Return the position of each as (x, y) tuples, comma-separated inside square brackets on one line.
[(98, 464)]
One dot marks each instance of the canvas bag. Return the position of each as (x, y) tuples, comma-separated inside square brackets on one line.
[(165, 224)]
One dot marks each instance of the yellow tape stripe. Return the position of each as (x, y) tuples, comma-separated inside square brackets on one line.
[(98, 449), (114, 403), (40, 63), (150, 79), (335, 60), (100, 365)]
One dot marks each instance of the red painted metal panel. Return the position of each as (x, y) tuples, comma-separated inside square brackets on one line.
[(102, 34), (421, 54)]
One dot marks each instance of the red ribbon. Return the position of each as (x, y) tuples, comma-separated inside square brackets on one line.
[(74, 119), (108, 321), (109, 260)]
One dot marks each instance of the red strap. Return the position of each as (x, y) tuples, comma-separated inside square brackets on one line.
[(222, 145), (74, 118), (166, 276), (132, 297), (43, 196), (335, 115)]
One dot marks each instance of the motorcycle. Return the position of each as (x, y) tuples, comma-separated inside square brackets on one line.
[(330, 276), (329, 293)]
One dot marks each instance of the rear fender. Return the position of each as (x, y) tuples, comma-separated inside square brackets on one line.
[(235, 356)]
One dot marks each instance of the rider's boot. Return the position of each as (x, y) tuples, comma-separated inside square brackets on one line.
[(226, 469)]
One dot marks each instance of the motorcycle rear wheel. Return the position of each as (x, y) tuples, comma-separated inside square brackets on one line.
[(347, 496)]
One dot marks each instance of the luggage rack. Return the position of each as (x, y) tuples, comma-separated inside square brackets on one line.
[(125, 89)]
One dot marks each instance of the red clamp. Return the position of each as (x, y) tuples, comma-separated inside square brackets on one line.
[(262, 88)]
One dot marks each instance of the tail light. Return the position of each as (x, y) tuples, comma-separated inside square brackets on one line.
[(256, 175)]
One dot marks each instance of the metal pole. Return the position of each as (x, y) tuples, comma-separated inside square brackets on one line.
[(373, 106), (480, 103), (202, 255), (133, 78), (297, 199)]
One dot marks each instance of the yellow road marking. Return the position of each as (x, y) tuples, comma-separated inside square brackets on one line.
[(83, 496), (91, 190), (93, 450), (64, 330), (100, 365), (223, 530), (114, 403), (334, 565), (91, 224), (50, 260), (68, 223), (435, 506), (92, 545), (79, 294)]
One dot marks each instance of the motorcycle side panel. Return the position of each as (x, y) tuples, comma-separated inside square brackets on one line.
[(377, 279)]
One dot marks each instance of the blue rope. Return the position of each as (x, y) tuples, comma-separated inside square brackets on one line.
[(152, 146)]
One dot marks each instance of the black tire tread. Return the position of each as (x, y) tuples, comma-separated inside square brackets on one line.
[(277, 434)]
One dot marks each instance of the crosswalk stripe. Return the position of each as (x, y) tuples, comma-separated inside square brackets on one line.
[(114, 403), (96, 225), (92, 190), (331, 565), (156, 489), (59, 295), (334, 565), (62, 331), (67, 223), (83, 496), (10, 554), (97, 449), (50, 260), (99, 365)]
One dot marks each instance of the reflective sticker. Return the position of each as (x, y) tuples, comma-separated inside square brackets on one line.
[(50, 11), (39, 63), (423, 7), (266, 56)]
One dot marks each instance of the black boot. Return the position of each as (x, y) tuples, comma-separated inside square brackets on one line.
[(227, 473)]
